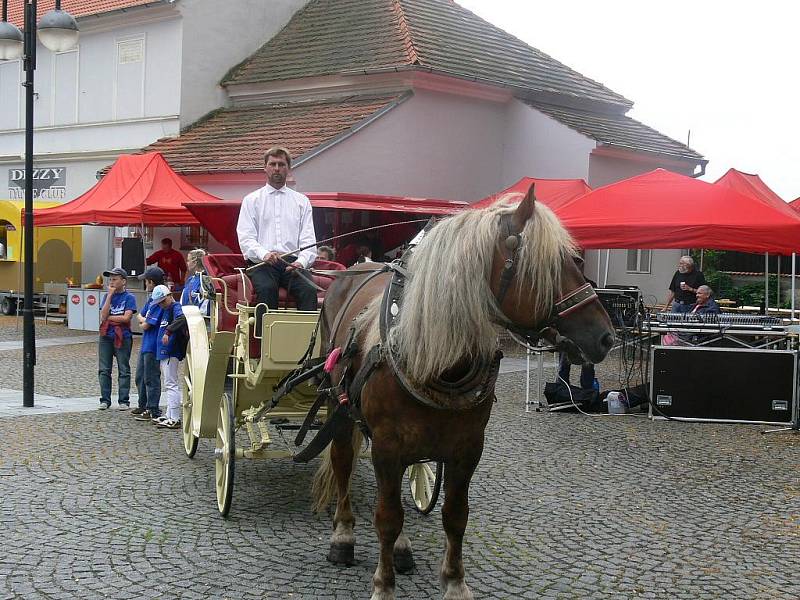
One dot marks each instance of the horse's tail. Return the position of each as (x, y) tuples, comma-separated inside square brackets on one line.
[(323, 489)]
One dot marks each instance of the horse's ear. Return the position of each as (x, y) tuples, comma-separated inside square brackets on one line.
[(525, 210)]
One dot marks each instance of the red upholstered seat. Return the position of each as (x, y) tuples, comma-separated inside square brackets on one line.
[(240, 289)]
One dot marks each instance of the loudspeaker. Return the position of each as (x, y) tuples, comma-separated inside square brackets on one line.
[(724, 384), (133, 256)]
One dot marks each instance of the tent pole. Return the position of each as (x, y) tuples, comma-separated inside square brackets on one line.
[(766, 282), (778, 284), (605, 277), (599, 256), (793, 284), (702, 256)]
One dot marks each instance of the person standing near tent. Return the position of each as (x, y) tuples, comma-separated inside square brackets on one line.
[(116, 311), (683, 286), (273, 221), (148, 369), (171, 262)]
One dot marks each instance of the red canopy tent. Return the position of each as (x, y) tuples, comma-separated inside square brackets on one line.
[(139, 189), (553, 192), (795, 204), (219, 218), (753, 186), (661, 209)]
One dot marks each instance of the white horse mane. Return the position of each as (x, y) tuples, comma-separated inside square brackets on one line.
[(449, 310)]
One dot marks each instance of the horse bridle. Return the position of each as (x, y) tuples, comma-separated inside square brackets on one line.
[(566, 304)]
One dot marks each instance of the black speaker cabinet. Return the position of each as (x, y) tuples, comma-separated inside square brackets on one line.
[(724, 384), (133, 256)]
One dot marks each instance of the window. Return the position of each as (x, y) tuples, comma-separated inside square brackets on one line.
[(639, 261), (10, 94), (193, 237)]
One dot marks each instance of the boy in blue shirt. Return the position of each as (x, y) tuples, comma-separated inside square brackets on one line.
[(170, 352), (148, 369), (116, 310)]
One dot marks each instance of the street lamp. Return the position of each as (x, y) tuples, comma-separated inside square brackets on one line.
[(58, 32)]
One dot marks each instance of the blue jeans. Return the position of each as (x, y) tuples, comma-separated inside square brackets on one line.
[(587, 372), (148, 382), (106, 352), (680, 307)]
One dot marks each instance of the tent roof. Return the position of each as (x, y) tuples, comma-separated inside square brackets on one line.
[(553, 192), (754, 186), (139, 189), (220, 218), (661, 209)]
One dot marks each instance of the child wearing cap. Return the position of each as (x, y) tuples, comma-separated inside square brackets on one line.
[(193, 290), (116, 310), (169, 353), (148, 369)]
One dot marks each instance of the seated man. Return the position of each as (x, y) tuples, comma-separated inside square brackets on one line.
[(705, 304), (273, 221)]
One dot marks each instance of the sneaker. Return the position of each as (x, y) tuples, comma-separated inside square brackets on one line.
[(170, 424), (159, 420), (138, 411), (124, 406), (143, 416), (105, 405)]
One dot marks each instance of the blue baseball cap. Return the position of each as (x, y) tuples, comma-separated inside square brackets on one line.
[(116, 271), (159, 293)]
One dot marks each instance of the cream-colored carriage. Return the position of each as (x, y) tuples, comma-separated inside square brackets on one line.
[(233, 369)]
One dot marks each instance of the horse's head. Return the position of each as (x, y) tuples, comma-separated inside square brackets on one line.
[(539, 286)]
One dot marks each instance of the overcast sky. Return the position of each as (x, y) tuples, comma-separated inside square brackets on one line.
[(729, 71)]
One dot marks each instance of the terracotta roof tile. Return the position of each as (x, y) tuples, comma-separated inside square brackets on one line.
[(618, 130), (77, 8), (234, 139), (333, 36)]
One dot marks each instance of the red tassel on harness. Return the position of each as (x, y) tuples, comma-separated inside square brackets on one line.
[(332, 359)]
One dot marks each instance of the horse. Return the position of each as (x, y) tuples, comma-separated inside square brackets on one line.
[(506, 267)]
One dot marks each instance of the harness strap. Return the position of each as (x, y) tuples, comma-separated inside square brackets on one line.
[(371, 362), (574, 300), (309, 420)]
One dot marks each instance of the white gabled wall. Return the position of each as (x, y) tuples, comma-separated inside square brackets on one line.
[(537, 146), (216, 37), (432, 145)]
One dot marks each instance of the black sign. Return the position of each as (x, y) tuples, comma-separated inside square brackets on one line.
[(48, 184)]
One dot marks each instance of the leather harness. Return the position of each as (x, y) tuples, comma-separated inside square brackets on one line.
[(471, 390)]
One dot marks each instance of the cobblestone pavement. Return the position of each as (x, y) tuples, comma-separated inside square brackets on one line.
[(11, 329), (96, 505)]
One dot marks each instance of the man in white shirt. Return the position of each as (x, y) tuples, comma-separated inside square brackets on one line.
[(275, 220)]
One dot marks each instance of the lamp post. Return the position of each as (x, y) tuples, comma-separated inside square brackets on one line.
[(58, 32)]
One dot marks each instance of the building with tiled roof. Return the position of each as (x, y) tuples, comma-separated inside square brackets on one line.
[(417, 98), (143, 70)]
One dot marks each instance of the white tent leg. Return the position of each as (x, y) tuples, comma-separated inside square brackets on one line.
[(599, 256), (766, 282), (608, 257), (793, 283), (702, 256), (778, 284)]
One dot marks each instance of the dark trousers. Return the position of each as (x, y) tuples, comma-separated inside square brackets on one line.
[(148, 382), (267, 280), (587, 372), (106, 353)]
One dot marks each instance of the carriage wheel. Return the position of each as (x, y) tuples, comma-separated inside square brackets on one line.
[(425, 482), (189, 439), (225, 453)]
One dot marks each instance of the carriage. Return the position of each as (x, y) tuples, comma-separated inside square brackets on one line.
[(244, 376)]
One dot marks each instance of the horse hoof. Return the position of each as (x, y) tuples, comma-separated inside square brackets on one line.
[(342, 554), (403, 560)]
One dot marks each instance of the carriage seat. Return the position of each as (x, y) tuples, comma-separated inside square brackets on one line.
[(240, 289)]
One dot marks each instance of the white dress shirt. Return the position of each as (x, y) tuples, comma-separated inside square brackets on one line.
[(273, 220)]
